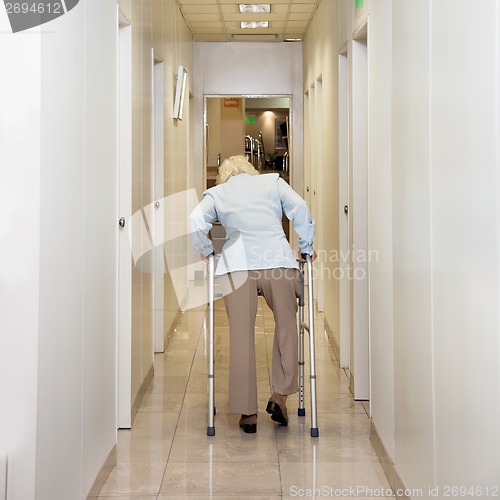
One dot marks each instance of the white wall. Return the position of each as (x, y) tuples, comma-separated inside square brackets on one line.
[(249, 69), (155, 24), (173, 42), (58, 231), (413, 367), (320, 59), (465, 215), (446, 233), (380, 221), (60, 222), (434, 220), (76, 378), (19, 253)]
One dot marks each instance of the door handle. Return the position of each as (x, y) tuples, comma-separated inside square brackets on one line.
[(121, 222)]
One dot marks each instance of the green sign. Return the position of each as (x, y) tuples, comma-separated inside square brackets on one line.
[(359, 3), (250, 119)]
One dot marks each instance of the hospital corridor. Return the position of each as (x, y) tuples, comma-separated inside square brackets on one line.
[(366, 135)]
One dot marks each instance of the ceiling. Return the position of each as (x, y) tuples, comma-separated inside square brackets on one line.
[(219, 20)]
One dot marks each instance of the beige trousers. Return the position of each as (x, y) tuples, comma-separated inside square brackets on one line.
[(280, 288)]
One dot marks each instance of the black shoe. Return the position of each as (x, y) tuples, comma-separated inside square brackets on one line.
[(277, 408), (249, 423)]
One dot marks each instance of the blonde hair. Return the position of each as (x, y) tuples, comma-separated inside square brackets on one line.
[(235, 165)]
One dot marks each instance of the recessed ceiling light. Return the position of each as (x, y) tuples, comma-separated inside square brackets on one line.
[(254, 24), (255, 38), (255, 8)]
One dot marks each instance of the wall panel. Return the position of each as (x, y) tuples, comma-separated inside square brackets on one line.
[(411, 197), (380, 221), (465, 251), (320, 59)]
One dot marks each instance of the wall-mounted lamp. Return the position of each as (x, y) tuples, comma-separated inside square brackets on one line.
[(180, 88)]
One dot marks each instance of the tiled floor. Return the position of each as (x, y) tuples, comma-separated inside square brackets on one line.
[(168, 455)]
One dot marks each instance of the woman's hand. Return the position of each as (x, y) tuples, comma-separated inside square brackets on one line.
[(303, 259), (204, 258)]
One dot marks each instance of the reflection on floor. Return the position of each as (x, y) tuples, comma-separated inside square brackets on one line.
[(168, 455)]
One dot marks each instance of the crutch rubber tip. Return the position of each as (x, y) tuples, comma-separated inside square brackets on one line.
[(314, 432), (301, 412), (210, 431)]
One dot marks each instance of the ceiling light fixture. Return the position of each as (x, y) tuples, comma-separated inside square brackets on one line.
[(255, 38), (254, 24), (255, 8)]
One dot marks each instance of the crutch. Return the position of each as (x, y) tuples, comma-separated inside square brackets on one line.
[(310, 328), (211, 361)]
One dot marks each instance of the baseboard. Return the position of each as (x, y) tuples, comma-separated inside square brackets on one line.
[(395, 481), (142, 391), (332, 340), (351, 383), (105, 470), (169, 334)]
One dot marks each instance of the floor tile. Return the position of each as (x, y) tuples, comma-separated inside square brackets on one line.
[(350, 476), (227, 445), (134, 479), (161, 403), (224, 478), (167, 385)]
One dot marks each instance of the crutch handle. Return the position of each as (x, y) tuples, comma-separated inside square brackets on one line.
[(306, 257)]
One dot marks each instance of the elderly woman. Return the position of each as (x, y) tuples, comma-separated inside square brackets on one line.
[(256, 258)]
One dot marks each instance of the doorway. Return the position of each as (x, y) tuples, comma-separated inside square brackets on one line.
[(259, 127)]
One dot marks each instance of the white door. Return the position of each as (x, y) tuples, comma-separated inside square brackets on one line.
[(344, 236), (124, 302), (159, 205), (359, 364)]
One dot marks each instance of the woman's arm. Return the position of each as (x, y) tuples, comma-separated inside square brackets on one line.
[(296, 209), (201, 220)]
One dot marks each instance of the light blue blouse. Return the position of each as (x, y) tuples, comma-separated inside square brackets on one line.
[(250, 208)]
